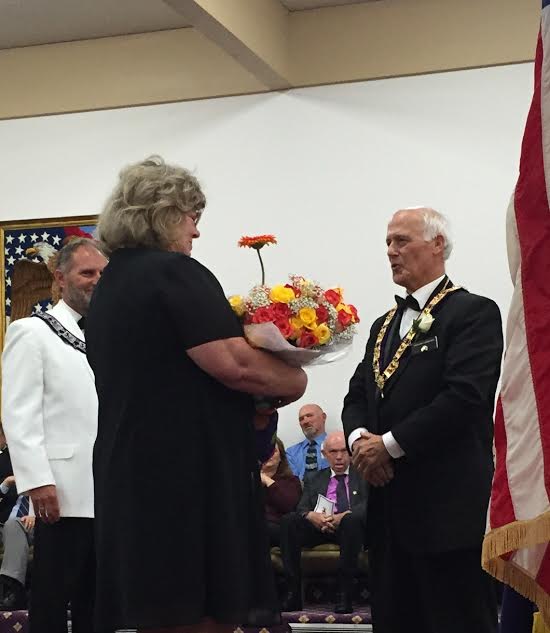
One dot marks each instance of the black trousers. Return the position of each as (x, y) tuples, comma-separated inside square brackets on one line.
[(432, 593), (274, 532), (297, 532), (63, 573)]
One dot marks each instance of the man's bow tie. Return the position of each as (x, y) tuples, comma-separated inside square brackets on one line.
[(408, 302)]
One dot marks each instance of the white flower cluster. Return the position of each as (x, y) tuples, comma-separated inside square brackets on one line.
[(302, 302), (307, 287), (332, 315), (258, 297), (347, 334)]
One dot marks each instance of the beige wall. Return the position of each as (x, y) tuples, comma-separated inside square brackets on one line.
[(404, 37), (350, 43), (117, 71)]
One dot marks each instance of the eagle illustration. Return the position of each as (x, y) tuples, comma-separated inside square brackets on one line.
[(33, 281)]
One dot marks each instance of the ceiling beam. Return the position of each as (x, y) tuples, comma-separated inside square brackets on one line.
[(254, 32)]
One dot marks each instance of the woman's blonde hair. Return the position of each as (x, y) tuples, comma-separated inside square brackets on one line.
[(148, 202)]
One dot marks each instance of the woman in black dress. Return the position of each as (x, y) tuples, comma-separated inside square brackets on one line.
[(181, 538)]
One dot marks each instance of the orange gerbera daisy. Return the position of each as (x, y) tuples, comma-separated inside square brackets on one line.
[(257, 241)]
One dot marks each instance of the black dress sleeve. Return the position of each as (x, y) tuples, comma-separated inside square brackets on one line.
[(195, 303)]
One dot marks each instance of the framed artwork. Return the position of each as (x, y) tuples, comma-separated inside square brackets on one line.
[(28, 246)]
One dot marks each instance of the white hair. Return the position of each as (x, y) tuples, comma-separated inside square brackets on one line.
[(435, 224)]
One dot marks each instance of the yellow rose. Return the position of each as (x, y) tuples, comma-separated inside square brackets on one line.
[(281, 294), (237, 303), (308, 316), (322, 332), (296, 324)]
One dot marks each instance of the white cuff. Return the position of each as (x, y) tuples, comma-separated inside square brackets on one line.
[(391, 445), (355, 435), (4, 489)]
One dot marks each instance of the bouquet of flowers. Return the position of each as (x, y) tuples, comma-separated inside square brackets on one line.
[(299, 321)]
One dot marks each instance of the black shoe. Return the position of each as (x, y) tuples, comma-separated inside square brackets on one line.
[(291, 602), (14, 597), (343, 602)]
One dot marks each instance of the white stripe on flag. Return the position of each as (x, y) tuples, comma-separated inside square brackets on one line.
[(524, 456)]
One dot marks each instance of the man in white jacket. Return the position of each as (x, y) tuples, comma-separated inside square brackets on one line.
[(49, 411)]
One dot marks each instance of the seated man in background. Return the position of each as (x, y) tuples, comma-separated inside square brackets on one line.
[(342, 485), (8, 492), (305, 457), (16, 546), (17, 535)]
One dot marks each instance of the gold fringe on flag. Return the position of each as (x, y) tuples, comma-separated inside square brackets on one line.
[(506, 539)]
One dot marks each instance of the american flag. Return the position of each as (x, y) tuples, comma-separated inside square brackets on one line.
[(516, 547), (16, 241)]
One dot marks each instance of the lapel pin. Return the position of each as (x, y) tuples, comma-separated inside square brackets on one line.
[(424, 348), (355, 492)]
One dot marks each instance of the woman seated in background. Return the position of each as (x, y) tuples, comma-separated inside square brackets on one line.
[(282, 490)]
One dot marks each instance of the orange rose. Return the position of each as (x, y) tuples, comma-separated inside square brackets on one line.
[(344, 318), (333, 297), (284, 327), (308, 339)]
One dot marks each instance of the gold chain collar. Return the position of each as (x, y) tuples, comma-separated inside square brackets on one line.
[(380, 377)]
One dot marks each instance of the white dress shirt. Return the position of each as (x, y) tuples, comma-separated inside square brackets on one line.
[(421, 295), (333, 474)]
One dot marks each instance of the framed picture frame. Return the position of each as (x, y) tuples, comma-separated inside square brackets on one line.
[(27, 246)]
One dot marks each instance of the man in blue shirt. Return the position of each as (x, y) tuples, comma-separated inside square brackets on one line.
[(305, 458)]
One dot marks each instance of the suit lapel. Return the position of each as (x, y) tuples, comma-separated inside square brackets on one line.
[(324, 483), (62, 314), (391, 337), (66, 318), (407, 355)]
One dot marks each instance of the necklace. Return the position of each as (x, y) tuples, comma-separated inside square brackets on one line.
[(380, 377)]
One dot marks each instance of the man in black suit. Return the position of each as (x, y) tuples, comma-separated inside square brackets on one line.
[(346, 526), (418, 418)]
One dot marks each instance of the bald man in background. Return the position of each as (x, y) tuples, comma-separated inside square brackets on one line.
[(305, 457)]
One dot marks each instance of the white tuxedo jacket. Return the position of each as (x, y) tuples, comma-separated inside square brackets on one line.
[(49, 411)]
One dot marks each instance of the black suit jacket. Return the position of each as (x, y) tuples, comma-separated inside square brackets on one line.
[(439, 406), (318, 485), (8, 500)]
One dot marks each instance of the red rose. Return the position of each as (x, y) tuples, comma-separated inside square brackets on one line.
[(280, 311), (333, 297), (308, 339), (354, 314), (344, 318), (297, 291), (322, 314), (284, 327), (262, 315)]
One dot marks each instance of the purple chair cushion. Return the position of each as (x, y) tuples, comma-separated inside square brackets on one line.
[(14, 622)]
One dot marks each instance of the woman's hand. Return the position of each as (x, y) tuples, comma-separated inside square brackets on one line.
[(266, 481)]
